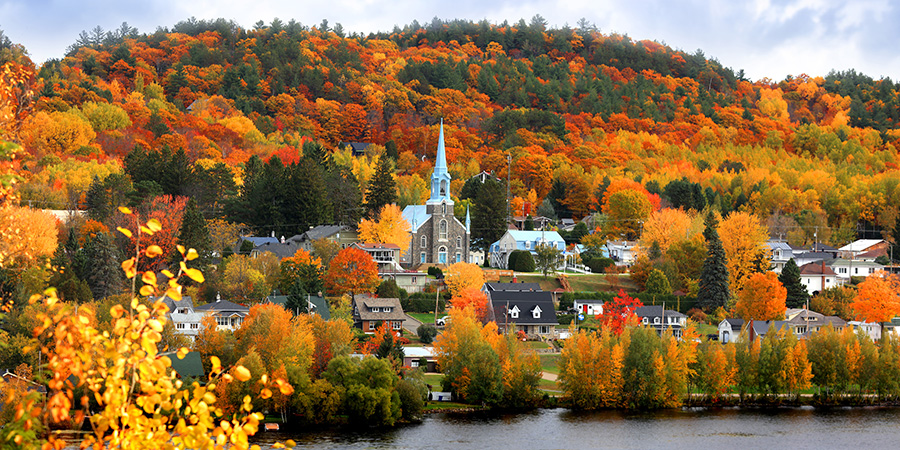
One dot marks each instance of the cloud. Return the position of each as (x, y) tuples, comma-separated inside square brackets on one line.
[(766, 38)]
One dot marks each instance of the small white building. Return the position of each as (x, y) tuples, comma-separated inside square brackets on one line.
[(845, 268), (529, 241), (588, 307), (624, 253)]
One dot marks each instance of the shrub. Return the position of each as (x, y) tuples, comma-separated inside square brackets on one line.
[(599, 264), (524, 262), (427, 333), (436, 272)]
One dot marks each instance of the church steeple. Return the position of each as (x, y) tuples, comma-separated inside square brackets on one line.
[(468, 221), (440, 179)]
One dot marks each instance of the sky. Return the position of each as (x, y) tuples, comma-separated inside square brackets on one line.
[(766, 38)]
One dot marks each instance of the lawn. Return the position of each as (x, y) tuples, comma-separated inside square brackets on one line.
[(537, 345), (425, 317), (549, 363), (549, 386), (434, 379), (548, 284), (599, 283)]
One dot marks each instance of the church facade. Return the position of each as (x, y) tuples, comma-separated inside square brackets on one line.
[(436, 235)]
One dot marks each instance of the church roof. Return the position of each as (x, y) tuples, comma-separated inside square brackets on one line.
[(416, 215)]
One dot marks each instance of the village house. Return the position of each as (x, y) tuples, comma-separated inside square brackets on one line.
[(588, 307), (817, 277), (624, 253), (492, 286), (855, 248), (779, 254), (410, 281), (661, 319), (183, 316), (531, 312), (229, 316), (845, 268), (369, 313), (387, 256), (524, 240), (870, 329), (803, 322), (342, 235)]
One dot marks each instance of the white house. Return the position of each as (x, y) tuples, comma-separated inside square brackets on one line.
[(730, 330), (624, 253), (779, 254), (871, 329), (817, 277), (183, 317), (229, 316), (524, 240), (854, 248), (845, 268), (588, 307), (655, 316)]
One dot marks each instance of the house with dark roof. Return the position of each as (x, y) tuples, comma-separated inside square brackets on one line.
[(661, 319), (183, 317), (342, 235), (532, 312), (228, 315), (730, 330), (357, 148), (370, 312), (803, 322), (779, 254)]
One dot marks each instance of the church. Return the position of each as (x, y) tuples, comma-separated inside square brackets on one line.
[(436, 236)]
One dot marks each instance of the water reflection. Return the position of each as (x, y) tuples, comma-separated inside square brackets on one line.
[(795, 428)]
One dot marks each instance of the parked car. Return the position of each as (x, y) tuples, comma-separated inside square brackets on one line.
[(442, 321)]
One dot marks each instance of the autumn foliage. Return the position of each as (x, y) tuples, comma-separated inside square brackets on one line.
[(762, 298), (352, 270), (877, 299), (619, 312)]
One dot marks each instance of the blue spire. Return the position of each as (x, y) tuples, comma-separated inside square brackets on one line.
[(468, 221), (440, 178)]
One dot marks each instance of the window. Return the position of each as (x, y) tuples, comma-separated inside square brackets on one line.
[(459, 242), (413, 280), (644, 321), (376, 309), (424, 242), (194, 326), (458, 257), (442, 230), (656, 321), (222, 321), (536, 312), (856, 270), (443, 208), (514, 312), (545, 329), (386, 309), (182, 311), (422, 258), (397, 325), (443, 191), (527, 245), (442, 255), (180, 326), (414, 363), (371, 326)]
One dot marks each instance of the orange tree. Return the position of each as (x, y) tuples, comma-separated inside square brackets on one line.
[(462, 276), (877, 299), (762, 297), (619, 312), (352, 270)]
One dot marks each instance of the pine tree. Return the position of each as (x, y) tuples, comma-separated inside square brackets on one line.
[(382, 188), (104, 276), (713, 291), (797, 295), (194, 234), (489, 214)]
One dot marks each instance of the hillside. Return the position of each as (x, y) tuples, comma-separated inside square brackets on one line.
[(575, 109)]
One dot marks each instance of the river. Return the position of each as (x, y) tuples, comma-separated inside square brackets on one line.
[(790, 428)]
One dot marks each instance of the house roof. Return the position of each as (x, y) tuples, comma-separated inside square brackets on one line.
[(855, 263), (222, 305), (735, 324), (257, 241), (526, 302), (656, 311), (873, 253), (358, 148), (418, 352), (322, 231), (377, 246), (320, 304), (588, 301), (548, 236), (820, 247), (174, 305), (778, 245), (815, 256), (514, 287), (816, 268), (285, 250), (760, 328), (860, 245), (364, 303)]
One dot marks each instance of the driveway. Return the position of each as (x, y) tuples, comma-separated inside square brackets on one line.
[(411, 324)]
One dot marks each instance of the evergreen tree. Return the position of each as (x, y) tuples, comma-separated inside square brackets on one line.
[(382, 188), (529, 223), (308, 205), (657, 283), (489, 214), (797, 295), (713, 291), (103, 274), (297, 298), (194, 234)]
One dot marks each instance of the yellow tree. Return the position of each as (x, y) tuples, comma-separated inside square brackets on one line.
[(877, 299), (389, 228), (762, 297), (461, 276), (666, 227), (743, 238), (28, 235)]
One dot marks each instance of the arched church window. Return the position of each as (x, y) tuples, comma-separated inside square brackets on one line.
[(442, 230), (458, 241), (443, 188), (424, 242)]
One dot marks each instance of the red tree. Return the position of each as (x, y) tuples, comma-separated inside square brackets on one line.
[(619, 312), (352, 270)]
